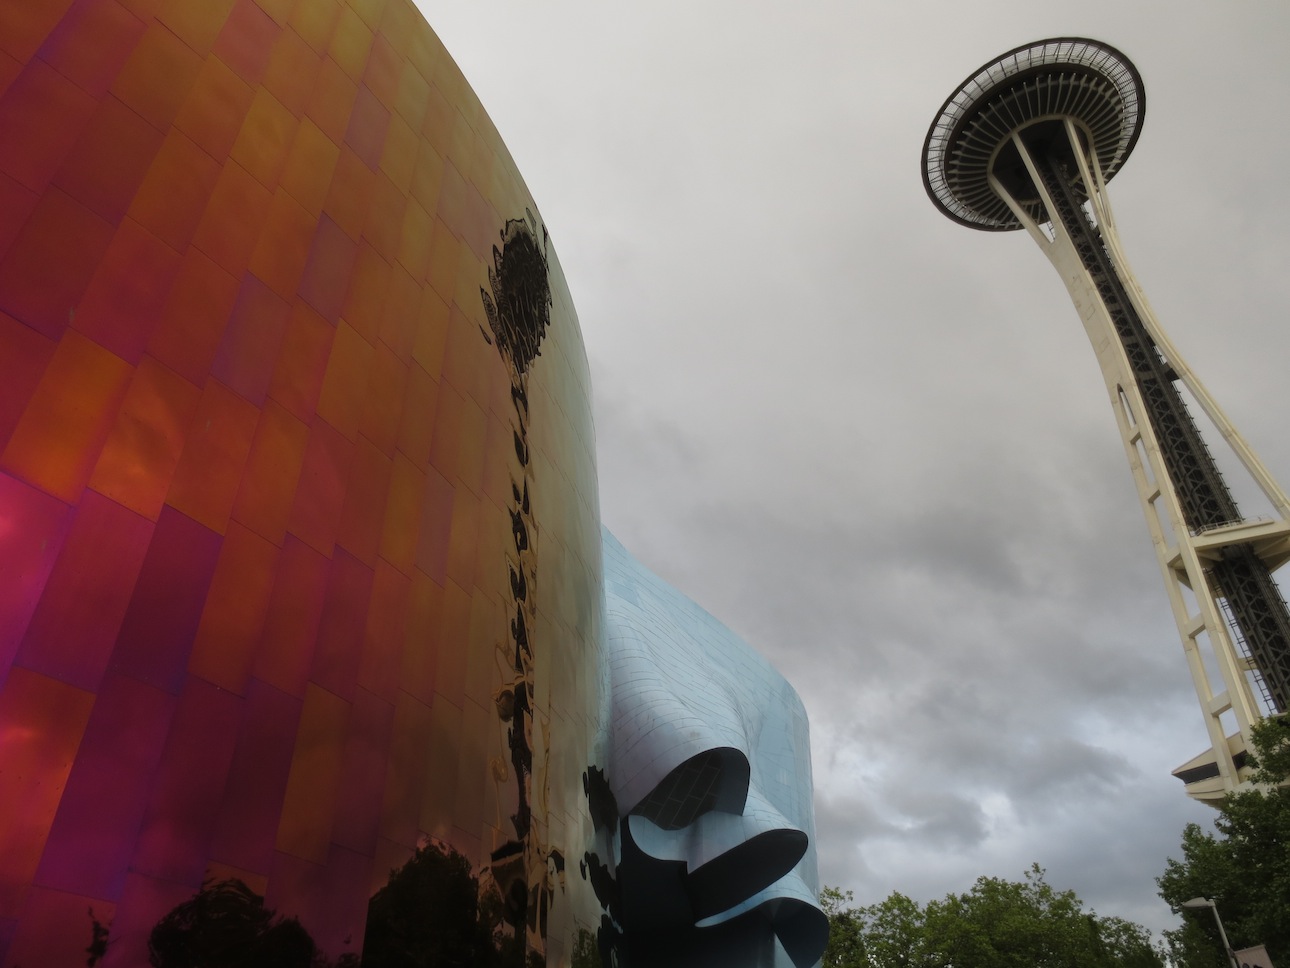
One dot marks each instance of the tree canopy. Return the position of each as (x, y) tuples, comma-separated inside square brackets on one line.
[(1244, 869), (995, 924)]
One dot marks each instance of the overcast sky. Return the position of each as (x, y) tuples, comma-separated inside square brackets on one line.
[(875, 443)]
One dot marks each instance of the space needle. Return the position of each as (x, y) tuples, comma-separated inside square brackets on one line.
[(1029, 141)]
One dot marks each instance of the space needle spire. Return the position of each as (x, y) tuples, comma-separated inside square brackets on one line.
[(1029, 141)]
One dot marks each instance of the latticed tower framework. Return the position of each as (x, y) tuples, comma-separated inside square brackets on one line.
[(1029, 141)]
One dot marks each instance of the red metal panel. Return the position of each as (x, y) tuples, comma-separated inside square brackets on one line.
[(74, 629)]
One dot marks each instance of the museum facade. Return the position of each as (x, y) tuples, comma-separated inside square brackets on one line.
[(306, 648)]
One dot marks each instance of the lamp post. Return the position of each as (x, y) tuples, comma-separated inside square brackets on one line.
[(1203, 902)]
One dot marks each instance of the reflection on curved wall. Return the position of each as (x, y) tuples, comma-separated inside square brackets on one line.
[(302, 641), (271, 483)]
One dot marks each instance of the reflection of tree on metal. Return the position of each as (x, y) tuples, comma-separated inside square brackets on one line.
[(226, 924), (519, 306), (524, 873)]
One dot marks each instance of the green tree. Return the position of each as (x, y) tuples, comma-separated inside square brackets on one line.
[(846, 944), (1245, 868), (995, 924)]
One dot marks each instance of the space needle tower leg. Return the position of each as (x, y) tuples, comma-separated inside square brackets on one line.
[(1021, 145)]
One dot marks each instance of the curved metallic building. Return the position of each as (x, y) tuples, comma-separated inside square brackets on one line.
[(302, 634)]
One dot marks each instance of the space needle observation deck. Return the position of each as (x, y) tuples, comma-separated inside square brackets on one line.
[(1029, 141)]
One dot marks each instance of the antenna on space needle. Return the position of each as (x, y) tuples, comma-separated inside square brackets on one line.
[(1030, 141)]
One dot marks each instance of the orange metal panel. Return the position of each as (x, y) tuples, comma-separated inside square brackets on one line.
[(24, 354), (41, 724), (399, 156), (91, 43), (266, 134), (216, 448), (379, 419), (423, 50), (213, 111), (499, 456), (286, 647), (470, 457), (450, 669), (16, 205), (400, 22), (291, 71), (127, 295), (416, 240), (310, 163), (368, 288), (159, 76), (193, 320), (384, 66), (142, 451), (463, 540), (283, 248), (350, 193), (383, 226), (183, 800), (316, 22), (196, 24), (174, 192), (51, 262), (367, 126), (268, 489), (56, 444), (351, 42), (445, 256), (332, 100), (367, 749), (279, 10), (106, 165), (320, 495), (422, 638), (399, 316), (328, 269), (469, 363), (41, 114), (363, 511), (432, 333), (308, 808), (246, 41), (249, 350), (235, 611), (339, 646), (413, 95), (439, 120), (372, 11), (383, 637), (416, 427), (445, 447), (402, 515), (24, 26), (437, 496), (75, 625), (346, 380), (302, 364), (233, 219)]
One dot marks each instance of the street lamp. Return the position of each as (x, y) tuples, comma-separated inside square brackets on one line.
[(1203, 902)]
